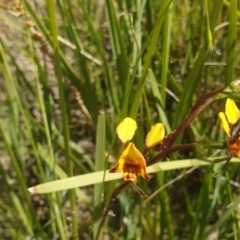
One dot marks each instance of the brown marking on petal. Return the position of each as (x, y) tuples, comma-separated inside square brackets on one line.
[(140, 169), (131, 172), (129, 176), (115, 169)]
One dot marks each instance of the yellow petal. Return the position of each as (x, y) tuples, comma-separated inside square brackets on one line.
[(155, 135), (126, 129), (118, 167), (232, 112), (224, 123), (134, 158), (144, 174), (132, 163)]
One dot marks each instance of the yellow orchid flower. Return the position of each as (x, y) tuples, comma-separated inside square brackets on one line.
[(131, 162), (231, 116)]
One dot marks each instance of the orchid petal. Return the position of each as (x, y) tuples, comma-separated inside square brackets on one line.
[(126, 129), (118, 167), (232, 112), (132, 163), (155, 135), (224, 123)]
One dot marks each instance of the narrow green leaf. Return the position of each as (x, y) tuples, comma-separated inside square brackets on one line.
[(152, 41), (117, 43), (64, 116), (23, 214), (231, 41), (158, 101), (222, 220), (167, 26), (187, 94), (97, 177), (99, 165)]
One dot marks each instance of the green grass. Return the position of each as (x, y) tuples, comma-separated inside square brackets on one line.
[(70, 71)]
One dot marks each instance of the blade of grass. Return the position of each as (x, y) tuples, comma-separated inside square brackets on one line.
[(67, 70), (55, 199), (76, 148), (99, 165), (15, 105), (27, 132), (59, 171), (234, 214), (98, 38), (222, 220), (209, 31), (22, 213), (40, 150), (231, 42), (187, 94), (153, 38), (64, 118), (165, 49), (82, 65), (227, 3), (201, 206), (117, 42), (157, 98), (166, 222), (96, 177), (21, 181)]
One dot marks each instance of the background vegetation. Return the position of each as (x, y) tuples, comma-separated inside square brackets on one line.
[(70, 72)]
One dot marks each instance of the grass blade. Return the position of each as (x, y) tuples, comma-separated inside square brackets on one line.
[(231, 42), (96, 177), (99, 165)]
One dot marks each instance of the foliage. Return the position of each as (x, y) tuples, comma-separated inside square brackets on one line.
[(70, 72)]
